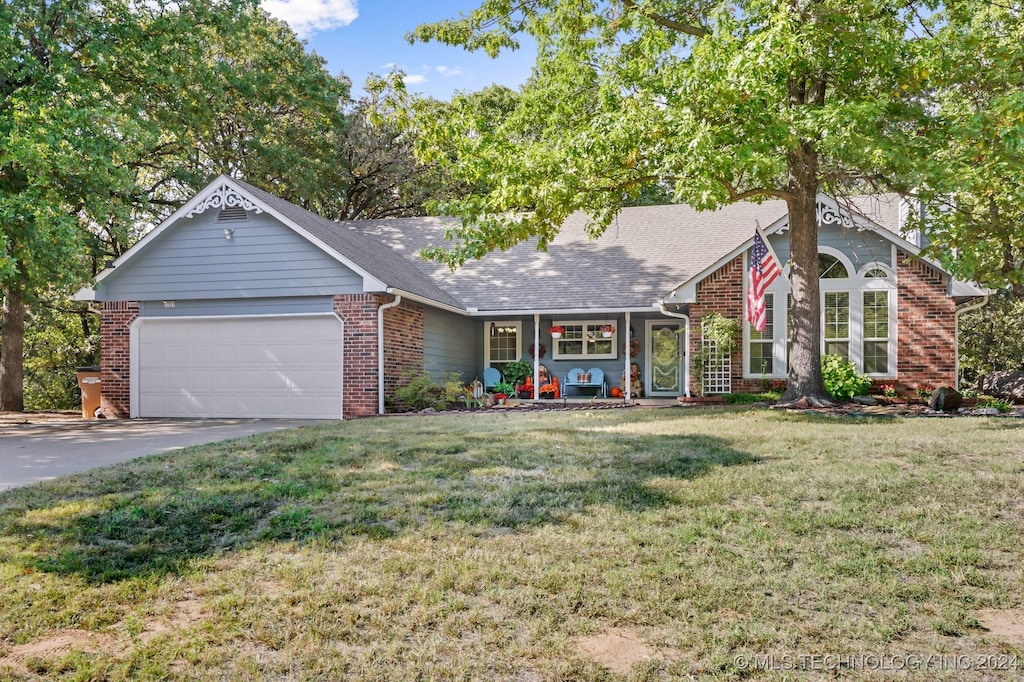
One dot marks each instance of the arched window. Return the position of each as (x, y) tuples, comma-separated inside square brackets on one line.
[(830, 267)]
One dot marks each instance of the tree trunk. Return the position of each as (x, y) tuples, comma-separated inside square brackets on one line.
[(805, 317), (12, 356)]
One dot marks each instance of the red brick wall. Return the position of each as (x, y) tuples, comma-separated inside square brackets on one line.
[(927, 326), (403, 345), (403, 348), (115, 357), (722, 293)]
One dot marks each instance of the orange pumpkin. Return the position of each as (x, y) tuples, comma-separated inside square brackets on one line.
[(615, 392)]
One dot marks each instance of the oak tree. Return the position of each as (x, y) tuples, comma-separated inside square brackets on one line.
[(724, 102)]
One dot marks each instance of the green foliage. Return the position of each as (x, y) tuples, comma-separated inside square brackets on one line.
[(516, 372), (992, 337), (841, 379), (724, 333), (748, 398), (504, 387), (721, 104), (59, 337), (422, 392), (997, 403)]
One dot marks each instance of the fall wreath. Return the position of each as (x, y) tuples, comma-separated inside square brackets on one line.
[(534, 350), (634, 348)]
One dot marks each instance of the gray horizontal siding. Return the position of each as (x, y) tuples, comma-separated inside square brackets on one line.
[(238, 306), (452, 343), (192, 259), (860, 247)]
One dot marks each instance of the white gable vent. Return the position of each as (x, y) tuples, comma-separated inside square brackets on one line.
[(232, 214)]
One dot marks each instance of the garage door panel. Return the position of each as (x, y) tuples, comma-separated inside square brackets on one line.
[(240, 367)]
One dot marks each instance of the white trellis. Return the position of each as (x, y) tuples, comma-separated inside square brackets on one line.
[(717, 371)]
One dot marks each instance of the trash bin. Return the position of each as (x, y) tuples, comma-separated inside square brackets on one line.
[(90, 383)]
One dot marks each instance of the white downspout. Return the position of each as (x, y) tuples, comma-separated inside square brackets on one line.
[(536, 356), (686, 345), (956, 337), (627, 381), (380, 351)]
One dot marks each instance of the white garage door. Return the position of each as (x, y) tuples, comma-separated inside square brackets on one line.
[(261, 366)]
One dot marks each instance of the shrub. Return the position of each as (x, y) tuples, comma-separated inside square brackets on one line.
[(748, 398), (841, 379), (516, 372), (997, 403), (422, 392)]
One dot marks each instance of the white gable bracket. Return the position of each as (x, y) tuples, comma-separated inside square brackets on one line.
[(224, 196)]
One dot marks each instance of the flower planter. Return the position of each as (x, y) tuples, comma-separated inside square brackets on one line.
[(606, 335), (556, 335)]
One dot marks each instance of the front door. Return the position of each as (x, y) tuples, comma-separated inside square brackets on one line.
[(665, 358)]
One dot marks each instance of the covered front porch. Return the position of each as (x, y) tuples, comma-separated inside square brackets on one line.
[(591, 355)]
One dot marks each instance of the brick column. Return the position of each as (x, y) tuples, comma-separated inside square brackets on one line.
[(926, 325), (115, 357)]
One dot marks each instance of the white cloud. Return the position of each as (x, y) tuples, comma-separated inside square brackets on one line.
[(309, 16), (415, 79), (449, 71)]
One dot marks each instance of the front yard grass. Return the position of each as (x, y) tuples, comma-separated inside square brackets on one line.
[(490, 546)]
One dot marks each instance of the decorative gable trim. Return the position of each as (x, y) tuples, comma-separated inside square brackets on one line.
[(224, 197), (223, 192)]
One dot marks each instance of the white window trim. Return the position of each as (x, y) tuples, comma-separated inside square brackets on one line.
[(557, 355), (856, 284), (487, 339)]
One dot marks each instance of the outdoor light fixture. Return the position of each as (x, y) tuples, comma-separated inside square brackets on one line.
[(494, 329), (229, 232)]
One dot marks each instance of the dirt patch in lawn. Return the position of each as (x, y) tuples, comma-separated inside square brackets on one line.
[(59, 644), (619, 649), (1006, 625)]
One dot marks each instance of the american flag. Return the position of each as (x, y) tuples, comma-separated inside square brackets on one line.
[(764, 268)]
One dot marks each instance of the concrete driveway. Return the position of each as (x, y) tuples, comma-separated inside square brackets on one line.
[(39, 452)]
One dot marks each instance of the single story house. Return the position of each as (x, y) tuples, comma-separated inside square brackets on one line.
[(241, 304)]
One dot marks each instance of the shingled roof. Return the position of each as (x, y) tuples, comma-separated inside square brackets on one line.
[(364, 250), (644, 254)]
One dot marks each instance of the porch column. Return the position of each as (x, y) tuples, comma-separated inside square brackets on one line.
[(628, 383), (536, 356)]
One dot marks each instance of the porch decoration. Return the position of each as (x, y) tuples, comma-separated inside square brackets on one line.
[(634, 348), (556, 332), (607, 330), (534, 350)]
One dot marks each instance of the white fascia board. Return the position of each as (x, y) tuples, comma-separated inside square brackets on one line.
[(84, 294), (370, 282), (426, 301), (511, 312)]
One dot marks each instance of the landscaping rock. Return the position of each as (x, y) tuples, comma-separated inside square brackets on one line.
[(945, 399), (1007, 384), (865, 400), (987, 412)]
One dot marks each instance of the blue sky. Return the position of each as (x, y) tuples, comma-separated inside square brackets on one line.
[(359, 37)]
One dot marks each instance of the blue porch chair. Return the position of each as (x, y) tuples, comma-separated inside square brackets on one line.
[(491, 377)]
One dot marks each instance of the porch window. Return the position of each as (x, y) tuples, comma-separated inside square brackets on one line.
[(876, 331), (501, 341), (583, 340)]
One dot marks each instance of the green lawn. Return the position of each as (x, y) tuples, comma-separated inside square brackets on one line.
[(492, 546)]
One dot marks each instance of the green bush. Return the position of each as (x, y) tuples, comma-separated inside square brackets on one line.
[(748, 398), (841, 379), (998, 403), (516, 372), (422, 392)]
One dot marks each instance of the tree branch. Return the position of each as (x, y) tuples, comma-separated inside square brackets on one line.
[(667, 22)]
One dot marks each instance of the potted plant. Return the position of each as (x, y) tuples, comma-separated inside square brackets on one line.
[(556, 331), (502, 390), (607, 330), (516, 372)]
